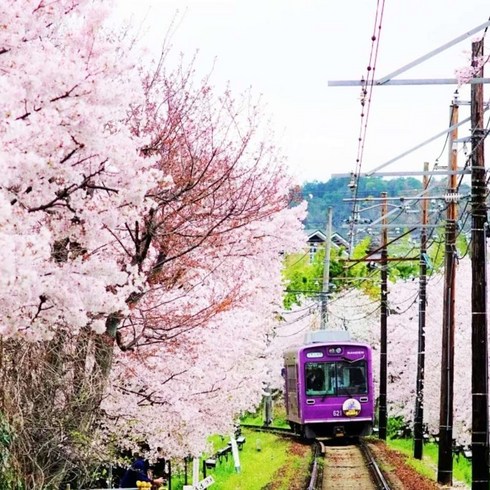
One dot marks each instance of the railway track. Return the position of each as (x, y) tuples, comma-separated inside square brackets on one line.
[(349, 466), (338, 465)]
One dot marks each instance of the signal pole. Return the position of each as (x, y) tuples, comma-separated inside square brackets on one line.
[(479, 373), (445, 464), (383, 414), (326, 270), (418, 430)]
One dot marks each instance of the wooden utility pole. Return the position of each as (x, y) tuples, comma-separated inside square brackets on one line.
[(326, 269), (479, 373), (383, 414), (418, 424), (445, 461)]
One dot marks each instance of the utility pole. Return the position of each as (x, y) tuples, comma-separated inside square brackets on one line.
[(326, 269), (383, 414), (418, 424), (479, 373), (445, 461)]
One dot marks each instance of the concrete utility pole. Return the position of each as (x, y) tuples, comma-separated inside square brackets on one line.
[(445, 461), (383, 414), (479, 373), (418, 423), (326, 269)]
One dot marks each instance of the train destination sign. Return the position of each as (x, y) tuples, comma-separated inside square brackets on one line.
[(314, 355)]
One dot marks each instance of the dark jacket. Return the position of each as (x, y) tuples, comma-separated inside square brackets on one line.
[(137, 471)]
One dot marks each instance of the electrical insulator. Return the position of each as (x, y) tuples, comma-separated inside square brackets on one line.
[(452, 197)]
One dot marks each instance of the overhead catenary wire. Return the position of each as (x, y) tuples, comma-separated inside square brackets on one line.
[(367, 84), (367, 87)]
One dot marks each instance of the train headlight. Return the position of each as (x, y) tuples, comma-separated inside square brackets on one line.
[(335, 350)]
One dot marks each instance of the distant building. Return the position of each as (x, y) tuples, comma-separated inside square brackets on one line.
[(317, 238)]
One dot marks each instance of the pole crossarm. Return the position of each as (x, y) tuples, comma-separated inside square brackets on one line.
[(407, 81), (436, 173), (432, 53), (402, 199), (389, 259), (391, 226), (388, 79)]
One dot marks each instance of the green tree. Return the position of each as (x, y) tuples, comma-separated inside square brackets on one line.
[(303, 275)]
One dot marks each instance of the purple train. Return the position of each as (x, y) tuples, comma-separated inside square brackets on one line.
[(329, 386)]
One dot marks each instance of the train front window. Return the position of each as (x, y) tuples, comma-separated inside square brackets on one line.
[(317, 378), (336, 378)]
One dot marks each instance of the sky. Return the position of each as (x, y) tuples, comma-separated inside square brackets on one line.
[(288, 50)]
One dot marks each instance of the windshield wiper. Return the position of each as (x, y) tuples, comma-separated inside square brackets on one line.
[(352, 361)]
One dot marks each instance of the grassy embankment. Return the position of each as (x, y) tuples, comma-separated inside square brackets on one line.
[(428, 465), (264, 459)]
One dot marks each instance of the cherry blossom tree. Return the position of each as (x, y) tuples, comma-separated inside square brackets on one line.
[(217, 368), (402, 352), (222, 229), (66, 186), (143, 221), (73, 175)]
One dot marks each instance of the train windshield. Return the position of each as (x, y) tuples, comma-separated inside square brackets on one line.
[(337, 378)]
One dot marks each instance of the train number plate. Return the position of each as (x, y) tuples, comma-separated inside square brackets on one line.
[(337, 413)]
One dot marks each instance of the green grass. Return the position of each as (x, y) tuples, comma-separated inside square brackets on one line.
[(279, 416), (428, 465), (259, 421), (262, 456)]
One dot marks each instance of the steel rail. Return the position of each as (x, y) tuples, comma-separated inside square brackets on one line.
[(318, 453), (379, 479)]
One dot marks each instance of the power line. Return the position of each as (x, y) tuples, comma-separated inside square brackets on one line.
[(367, 84)]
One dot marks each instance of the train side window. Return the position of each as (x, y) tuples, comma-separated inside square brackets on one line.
[(291, 380)]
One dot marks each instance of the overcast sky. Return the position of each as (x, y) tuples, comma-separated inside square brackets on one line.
[(287, 51)]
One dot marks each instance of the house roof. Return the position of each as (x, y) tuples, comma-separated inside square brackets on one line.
[(319, 236)]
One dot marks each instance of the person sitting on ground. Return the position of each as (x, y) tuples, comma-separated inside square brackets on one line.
[(161, 467), (138, 471)]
